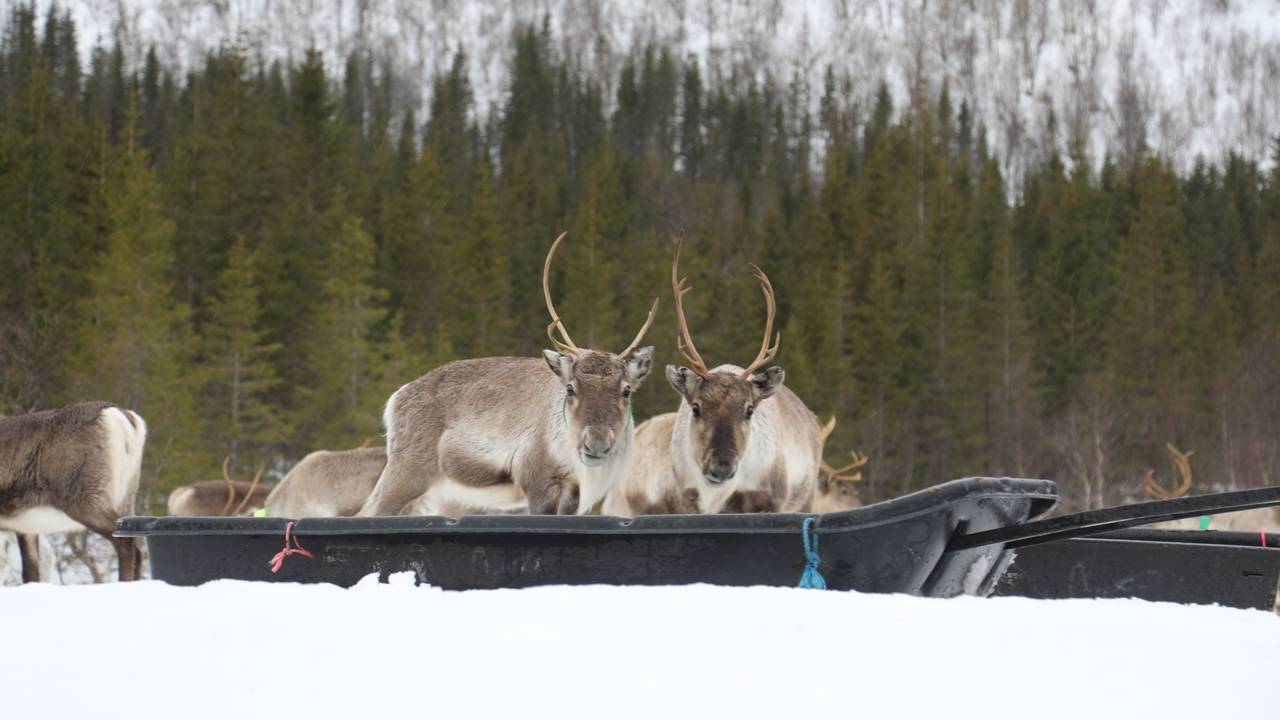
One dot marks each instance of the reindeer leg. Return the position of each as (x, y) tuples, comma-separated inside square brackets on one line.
[(749, 501), (129, 558), (29, 550), (547, 494), (103, 522), (569, 497), (398, 486)]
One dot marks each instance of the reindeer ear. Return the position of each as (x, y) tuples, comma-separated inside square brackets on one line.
[(638, 365), (766, 382), (684, 380), (560, 363)]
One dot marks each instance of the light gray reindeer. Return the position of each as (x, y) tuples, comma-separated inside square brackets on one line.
[(505, 435), (328, 483), (740, 442), (68, 469)]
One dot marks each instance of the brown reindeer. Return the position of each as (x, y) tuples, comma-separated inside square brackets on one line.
[(740, 442), (219, 498), (505, 435), (836, 490), (328, 484), (1259, 519), (68, 469)]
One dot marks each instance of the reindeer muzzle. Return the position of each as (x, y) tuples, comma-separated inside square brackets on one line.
[(719, 472), (595, 447)]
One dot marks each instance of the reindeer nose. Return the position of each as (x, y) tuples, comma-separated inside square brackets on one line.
[(597, 445), (721, 470)]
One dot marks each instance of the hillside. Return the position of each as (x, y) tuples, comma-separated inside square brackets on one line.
[(1185, 78)]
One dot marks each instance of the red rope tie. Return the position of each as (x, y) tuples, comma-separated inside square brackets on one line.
[(286, 551), (1263, 533)]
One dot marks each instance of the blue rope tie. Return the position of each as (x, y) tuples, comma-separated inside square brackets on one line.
[(811, 578)]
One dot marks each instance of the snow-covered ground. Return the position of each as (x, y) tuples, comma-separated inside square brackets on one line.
[(255, 650), (1190, 76)]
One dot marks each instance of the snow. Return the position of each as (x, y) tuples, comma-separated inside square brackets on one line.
[(1203, 72), (249, 650)]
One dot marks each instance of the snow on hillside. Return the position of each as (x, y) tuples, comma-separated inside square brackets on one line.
[(259, 650), (1188, 76)]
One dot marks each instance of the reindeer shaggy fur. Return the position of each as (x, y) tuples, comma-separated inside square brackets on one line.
[(73, 468), (328, 484), (505, 435)]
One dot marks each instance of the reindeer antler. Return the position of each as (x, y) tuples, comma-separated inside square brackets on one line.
[(826, 431), (766, 353), (684, 341), (1182, 464), (249, 494), (653, 310), (567, 345), (231, 486), (837, 473)]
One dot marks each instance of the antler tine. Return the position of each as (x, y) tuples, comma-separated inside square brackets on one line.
[(252, 486), (566, 345), (1182, 461), (231, 487), (1152, 488), (766, 353), (653, 310), (858, 461), (684, 341), (825, 433)]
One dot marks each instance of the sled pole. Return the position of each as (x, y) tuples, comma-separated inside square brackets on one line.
[(1092, 522)]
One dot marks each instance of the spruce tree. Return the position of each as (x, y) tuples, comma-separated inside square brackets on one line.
[(339, 405), (237, 360), (134, 345), (1147, 345)]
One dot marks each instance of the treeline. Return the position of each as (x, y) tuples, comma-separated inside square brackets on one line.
[(255, 255)]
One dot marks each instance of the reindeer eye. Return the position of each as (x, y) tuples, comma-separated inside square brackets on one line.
[(626, 391), (697, 411), (751, 410)]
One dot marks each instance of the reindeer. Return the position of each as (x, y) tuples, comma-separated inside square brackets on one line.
[(219, 498), (835, 488), (504, 435), (649, 486), (1259, 519), (740, 439), (328, 484), (68, 469)]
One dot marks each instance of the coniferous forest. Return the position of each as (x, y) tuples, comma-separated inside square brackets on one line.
[(254, 254)]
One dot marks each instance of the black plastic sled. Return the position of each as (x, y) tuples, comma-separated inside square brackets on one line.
[(900, 545), (955, 538), (1235, 569)]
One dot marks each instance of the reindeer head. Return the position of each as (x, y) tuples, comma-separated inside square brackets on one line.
[(597, 384), (722, 402)]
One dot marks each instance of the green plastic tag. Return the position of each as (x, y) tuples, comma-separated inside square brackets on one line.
[(260, 512), (1204, 522)]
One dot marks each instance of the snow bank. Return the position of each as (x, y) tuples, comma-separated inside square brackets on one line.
[(234, 649)]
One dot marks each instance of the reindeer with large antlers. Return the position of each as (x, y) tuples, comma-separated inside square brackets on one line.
[(740, 442), (505, 435), (836, 489)]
